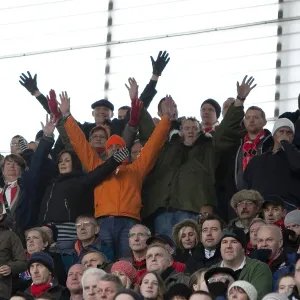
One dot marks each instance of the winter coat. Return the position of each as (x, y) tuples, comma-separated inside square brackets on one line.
[(56, 291), (171, 277), (258, 274), (263, 146), (13, 255), (120, 193), (276, 174), (184, 176)]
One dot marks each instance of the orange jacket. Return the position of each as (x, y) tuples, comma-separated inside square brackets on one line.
[(120, 193)]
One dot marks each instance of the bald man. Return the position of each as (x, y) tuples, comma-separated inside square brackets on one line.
[(74, 282)]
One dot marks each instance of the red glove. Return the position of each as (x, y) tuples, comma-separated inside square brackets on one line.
[(52, 103), (135, 112)]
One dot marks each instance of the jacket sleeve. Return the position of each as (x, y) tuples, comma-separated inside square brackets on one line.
[(84, 151), (148, 93), (292, 154), (95, 177), (63, 141), (129, 135), (146, 126), (147, 158), (19, 261), (247, 177), (43, 100)]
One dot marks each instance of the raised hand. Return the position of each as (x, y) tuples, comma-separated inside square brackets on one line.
[(49, 128), (160, 63), (169, 108), (121, 155), (53, 104), (29, 83), (133, 88), (245, 88), (135, 112), (64, 105)]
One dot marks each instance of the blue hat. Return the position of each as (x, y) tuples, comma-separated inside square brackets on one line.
[(43, 258), (104, 103)]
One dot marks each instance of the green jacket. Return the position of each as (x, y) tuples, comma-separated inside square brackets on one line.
[(258, 274), (184, 176)]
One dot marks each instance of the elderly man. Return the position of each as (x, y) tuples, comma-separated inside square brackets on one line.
[(108, 286), (247, 204), (95, 259), (159, 259), (41, 269), (276, 172), (89, 282), (233, 246), (74, 282)]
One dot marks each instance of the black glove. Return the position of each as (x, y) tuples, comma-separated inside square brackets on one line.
[(218, 289), (29, 83), (23, 144), (121, 155), (261, 254), (160, 63)]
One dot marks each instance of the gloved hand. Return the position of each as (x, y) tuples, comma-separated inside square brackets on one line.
[(261, 254), (29, 83), (121, 155), (218, 289), (135, 112), (160, 63), (23, 144), (52, 103)]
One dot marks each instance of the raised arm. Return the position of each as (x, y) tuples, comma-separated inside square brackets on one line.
[(84, 151)]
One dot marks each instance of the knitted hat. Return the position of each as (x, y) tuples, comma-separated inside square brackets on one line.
[(125, 267), (115, 140), (179, 290), (248, 288), (284, 122), (133, 294), (275, 296), (215, 104), (292, 217), (43, 258), (237, 234)]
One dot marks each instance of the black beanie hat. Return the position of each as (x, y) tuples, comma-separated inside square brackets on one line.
[(237, 234), (178, 289), (215, 104), (43, 258)]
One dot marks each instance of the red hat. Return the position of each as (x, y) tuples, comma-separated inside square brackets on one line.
[(125, 267), (115, 140)]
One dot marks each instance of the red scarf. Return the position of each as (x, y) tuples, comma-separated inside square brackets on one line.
[(280, 224), (37, 290), (13, 193), (250, 148)]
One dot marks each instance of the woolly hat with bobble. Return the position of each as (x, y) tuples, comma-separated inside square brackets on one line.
[(126, 268), (275, 296), (248, 288)]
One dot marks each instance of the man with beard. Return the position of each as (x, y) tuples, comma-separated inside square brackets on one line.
[(246, 204)]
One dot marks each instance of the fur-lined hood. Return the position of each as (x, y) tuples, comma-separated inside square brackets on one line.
[(179, 226)]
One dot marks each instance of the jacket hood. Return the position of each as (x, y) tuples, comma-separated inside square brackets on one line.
[(179, 226)]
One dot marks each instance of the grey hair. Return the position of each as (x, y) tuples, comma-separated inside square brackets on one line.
[(159, 245), (94, 272), (275, 228), (148, 232), (113, 278)]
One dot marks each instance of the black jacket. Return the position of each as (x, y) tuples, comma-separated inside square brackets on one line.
[(276, 174)]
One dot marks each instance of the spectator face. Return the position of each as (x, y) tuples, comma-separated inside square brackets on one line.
[(283, 133), (188, 237), (124, 279), (253, 233), (90, 287), (205, 210), (211, 233), (11, 170), (226, 105), (34, 242), (101, 114), (286, 285), (208, 114), (106, 290), (138, 236), (92, 260), (237, 293), (74, 278), (231, 249), (122, 114), (49, 233), (149, 286), (135, 150), (32, 146), (246, 209), (254, 121), (268, 238), (200, 297), (39, 274), (190, 131), (98, 139), (14, 146), (113, 149), (295, 227), (86, 229), (273, 213), (65, 163), (297, 274), (157, 259)]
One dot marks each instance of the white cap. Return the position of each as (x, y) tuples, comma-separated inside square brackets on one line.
[(248, 288), (284, 122)]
